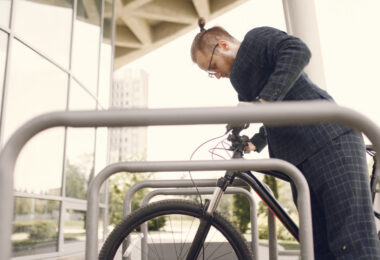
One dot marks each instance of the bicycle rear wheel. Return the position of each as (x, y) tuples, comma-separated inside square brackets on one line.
[(172, 238)]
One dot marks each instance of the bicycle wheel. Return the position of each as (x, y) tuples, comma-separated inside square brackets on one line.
[(179, 220)]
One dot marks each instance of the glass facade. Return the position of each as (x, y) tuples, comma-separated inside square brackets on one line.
[(35, 226), (54, 55), (3, 54), (5, 7)]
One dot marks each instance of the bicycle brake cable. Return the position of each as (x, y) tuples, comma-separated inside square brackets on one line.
[(191, 157)]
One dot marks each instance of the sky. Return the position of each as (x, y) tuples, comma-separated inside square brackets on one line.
[(349, 42)]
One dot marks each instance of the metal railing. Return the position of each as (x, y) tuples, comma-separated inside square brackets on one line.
[(192, 191), (284, 113)]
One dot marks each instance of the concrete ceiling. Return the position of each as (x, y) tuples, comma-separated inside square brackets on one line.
[(144, 25)]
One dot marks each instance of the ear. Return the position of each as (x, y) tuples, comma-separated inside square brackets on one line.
[(224, 44)]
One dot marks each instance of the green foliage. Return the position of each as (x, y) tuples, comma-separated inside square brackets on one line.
[(282, 192), (119, 184), (43, 230), (157, 223), (76, 182), (241, 211)]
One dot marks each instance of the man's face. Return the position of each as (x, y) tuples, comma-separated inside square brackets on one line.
[(220, 63)]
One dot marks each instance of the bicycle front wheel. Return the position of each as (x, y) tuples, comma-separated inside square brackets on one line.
[(172, 225)]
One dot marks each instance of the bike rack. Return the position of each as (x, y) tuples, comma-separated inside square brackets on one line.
[(188, 191), (303, 201), (272, 113), (180, 183)]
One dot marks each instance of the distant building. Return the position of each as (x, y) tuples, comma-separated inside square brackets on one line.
[(130, 90)]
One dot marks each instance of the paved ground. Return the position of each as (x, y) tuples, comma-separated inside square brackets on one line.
[(263, 254)]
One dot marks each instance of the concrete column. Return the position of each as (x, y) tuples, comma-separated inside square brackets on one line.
[(301, 21)]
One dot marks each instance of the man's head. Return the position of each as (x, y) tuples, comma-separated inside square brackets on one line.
[(214, 50)]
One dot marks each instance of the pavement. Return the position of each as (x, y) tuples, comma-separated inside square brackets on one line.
[(263, 254)]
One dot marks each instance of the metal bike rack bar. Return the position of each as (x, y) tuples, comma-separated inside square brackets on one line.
[(180, 183), (274, 114), (188, 191), (303, 201)]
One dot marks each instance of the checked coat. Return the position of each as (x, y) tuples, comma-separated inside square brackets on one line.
[(269, 65)]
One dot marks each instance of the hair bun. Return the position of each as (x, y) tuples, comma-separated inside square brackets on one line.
[(202, 23)]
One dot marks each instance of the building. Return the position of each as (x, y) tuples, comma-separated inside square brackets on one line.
[(60, 55), (54, 55), (130, 90)]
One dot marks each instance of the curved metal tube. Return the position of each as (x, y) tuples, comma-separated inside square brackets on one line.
[(284, 113)]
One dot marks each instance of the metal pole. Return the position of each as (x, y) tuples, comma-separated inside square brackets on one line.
[(186, 191), (272, 234), (303, 201), (166, 184), (283, 113), (301, 21)]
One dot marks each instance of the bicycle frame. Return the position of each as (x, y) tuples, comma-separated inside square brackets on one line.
[(211, 206), (263, 192), (238, 145)]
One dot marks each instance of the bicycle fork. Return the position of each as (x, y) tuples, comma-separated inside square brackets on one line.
[(205, 222)]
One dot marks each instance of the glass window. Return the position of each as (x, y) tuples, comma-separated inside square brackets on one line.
[(105, 71), (3, 56), (39, 166), (81, 98), (86, 45), (80, 146), (35, 226), (107, 22), (46, 25), (79, 161), (5, 9), (74, 226), (36, 87)]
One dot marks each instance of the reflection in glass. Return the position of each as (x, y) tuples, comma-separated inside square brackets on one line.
[(5, 9), (3, 56), (46, 25), (89, 11), (35, 226), (79, 161), (37, 87), (74, 226), (79, 147), (107, 21)]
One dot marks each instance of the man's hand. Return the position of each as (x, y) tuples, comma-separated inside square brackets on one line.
[(250, 147)]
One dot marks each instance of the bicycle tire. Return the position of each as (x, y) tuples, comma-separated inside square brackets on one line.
[(176, 208)]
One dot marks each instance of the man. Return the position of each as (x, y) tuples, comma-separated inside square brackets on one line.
[(267, 66)]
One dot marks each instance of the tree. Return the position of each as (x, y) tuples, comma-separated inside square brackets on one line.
[(118, 187), (241, 211), (75, 181), (282, 192)]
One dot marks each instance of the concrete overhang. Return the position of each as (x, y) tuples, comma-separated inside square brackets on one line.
[(144, 25)]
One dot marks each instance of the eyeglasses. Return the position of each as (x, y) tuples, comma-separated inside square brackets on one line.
[(211, 73)]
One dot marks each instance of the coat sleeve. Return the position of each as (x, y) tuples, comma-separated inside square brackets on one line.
[(287, 56)]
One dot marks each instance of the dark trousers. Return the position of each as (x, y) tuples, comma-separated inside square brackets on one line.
[(343, 218)]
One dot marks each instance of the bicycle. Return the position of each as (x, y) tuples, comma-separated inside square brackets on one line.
[(210, 235)]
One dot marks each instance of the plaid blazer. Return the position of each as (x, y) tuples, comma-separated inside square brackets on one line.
[(269, 65)]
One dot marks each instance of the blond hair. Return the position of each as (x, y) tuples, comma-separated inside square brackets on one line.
[(205, 40)]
